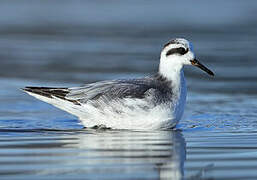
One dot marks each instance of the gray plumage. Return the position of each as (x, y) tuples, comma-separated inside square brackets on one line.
[(156, 87)]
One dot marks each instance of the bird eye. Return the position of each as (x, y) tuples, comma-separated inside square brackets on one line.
[(179, 50), (182, 51)]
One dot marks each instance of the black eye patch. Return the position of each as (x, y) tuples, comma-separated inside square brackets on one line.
[(179, 50)]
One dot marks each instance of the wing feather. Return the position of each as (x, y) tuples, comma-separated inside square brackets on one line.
[(109, 90), (105, 91)]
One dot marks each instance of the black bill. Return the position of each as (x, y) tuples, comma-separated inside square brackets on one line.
[(201, 66)]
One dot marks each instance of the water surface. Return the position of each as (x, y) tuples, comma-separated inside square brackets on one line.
[(48, 43)]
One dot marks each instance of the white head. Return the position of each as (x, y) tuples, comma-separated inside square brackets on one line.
[(175, 54)]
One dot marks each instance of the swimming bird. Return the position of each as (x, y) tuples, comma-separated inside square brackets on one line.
[(152, 102)]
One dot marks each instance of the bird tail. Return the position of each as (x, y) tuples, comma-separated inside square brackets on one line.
[(54, 96), (48, 92)]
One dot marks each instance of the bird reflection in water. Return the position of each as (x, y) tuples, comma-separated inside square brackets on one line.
[(129, 154)]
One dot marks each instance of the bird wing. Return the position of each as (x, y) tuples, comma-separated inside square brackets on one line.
[(110, 90), (105, 91)]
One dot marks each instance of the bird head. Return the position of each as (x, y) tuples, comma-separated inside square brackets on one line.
[(179, 52)]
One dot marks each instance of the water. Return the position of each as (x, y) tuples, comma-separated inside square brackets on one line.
[(71, 43)]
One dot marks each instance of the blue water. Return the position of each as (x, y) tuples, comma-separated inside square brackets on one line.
[(53, 43)]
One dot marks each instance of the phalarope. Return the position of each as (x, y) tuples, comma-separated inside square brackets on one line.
[(154, 102)]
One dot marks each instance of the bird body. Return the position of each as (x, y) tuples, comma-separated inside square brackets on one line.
[(154, 102)]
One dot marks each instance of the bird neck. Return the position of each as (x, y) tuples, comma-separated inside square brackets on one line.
[(170, 69), (173, 72)]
